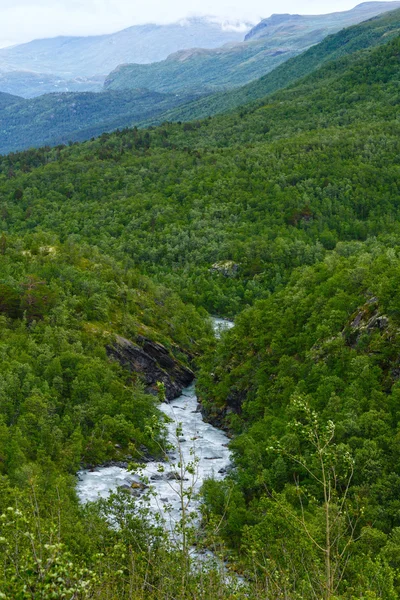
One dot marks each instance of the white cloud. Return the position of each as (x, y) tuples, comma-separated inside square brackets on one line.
[(23, 20)]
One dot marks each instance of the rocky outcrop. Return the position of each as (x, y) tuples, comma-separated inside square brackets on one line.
[(152, 363), (367, 320), (227, 268), (218, 416)]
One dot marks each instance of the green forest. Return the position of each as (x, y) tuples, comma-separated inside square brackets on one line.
[(177, 90), (282, 214)]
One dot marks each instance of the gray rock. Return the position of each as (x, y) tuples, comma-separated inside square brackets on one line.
[(172, 476), (227, 268), (153, 363)]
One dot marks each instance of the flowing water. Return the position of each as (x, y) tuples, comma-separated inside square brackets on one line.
[(193, 442)]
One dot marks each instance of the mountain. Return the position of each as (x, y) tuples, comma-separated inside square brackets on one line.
[(283, 213), (29, 84), (260, 187), (70, 57), (368, 34), (280, 38), (199, 69), (288, 26), (60, 118)]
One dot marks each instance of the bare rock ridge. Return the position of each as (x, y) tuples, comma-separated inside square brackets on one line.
[(152, 363)]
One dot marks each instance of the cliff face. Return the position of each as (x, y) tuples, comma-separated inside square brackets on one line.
[(152, 363)]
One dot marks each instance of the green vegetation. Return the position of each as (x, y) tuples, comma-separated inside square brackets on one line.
[(267, 45), (309, 380), (283, 213), (61, 307), (63, 402), (368, 34), (60, 118), (270, 187), (8, 100)]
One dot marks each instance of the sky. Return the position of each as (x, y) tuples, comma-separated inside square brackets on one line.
[(24, 20)]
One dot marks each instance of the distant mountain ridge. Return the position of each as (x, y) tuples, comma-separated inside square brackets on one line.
[(59, 118), (55, 119), (368, 34), (29, 84), (197, 69), (327, 23), (70, 57), (269, 44)]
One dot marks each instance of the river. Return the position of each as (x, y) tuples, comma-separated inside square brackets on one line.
[(197, 443)]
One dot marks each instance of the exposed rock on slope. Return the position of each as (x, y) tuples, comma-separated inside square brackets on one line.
[(152, 363)]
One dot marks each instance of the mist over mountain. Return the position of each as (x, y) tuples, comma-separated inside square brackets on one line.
[(29, 84)]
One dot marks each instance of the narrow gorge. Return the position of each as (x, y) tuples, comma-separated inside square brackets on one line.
[(193, 442)]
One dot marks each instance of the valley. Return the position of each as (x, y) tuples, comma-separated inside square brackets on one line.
[(148, 450)]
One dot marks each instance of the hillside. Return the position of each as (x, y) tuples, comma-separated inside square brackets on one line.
[(260, 190), (367, 34), (283, 36), (8, 99), (60, 118), (28, 84), (309, 381), (293, 25), (283, 213), (71, 57), (55, 119)]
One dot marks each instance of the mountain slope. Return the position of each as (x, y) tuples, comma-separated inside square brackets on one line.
[(198, 69), (368, 34), (289, 26), (29, 84), (59, 118), (71, 57), (8, 99), (284, 36), (314, 365), (287, 208), (55, 119), (223, 210)]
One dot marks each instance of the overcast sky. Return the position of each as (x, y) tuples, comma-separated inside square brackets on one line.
[(24, 20)]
